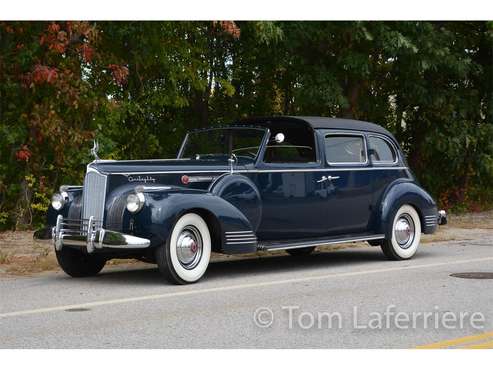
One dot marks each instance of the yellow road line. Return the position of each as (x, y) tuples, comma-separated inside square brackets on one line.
[(464, 341), (484, 345)]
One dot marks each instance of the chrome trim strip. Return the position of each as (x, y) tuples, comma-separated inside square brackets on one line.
[(149, 189), (241, 239), (238, 232), (266, 170), (70, 187), (320, 242), (250, 242), (193, 179)]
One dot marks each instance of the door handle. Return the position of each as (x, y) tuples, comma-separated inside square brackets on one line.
[(330, 178)]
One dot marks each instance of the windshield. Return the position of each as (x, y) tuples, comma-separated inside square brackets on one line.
[(220, 143)]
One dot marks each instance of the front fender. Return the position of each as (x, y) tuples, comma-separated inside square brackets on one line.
[(402, 192), (161, 211), (71, 210)]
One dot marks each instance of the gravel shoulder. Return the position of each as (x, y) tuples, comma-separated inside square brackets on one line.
[(20, 254)]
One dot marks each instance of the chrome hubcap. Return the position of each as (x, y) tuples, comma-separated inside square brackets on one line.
[(404, 231), (189, 247)]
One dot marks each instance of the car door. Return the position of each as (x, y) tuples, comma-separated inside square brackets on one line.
[(348, 181), (293, 202)]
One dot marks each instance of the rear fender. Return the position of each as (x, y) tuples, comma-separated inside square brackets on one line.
[(402, 192)]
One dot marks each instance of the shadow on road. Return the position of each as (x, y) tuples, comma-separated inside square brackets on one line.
[(266, 265)]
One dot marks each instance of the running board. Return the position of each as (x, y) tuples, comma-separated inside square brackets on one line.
[(313, 243)]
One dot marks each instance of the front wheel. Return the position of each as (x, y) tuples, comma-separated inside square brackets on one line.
[(406, 234), (78, 264), (185, 256)]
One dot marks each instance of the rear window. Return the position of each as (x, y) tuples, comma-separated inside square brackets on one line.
[(381, 151), (345, 149)]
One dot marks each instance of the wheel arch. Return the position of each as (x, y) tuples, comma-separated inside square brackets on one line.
[(215, 228), (396, 195), (220, 216)]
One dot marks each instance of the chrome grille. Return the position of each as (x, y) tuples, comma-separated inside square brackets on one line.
[(94, 195)]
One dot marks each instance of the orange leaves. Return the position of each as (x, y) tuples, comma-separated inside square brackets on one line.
[(87, 53), (54, 38), (54, 28), (41, 74), (119, 73), (44, 74), (229, 27), (23, 154), (77, 35)]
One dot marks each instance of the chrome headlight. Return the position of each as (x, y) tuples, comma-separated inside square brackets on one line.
[(135, 202), (58, 200)]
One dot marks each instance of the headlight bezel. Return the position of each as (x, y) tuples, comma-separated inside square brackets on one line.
[(58, 200), (137, 199)]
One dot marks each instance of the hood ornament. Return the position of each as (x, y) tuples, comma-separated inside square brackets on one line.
[(232, 161), (95, 149)]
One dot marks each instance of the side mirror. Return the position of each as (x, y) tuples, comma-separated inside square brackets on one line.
[(279, 138)]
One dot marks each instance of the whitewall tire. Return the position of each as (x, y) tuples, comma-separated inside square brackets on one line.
[(185, 256), (406, 234)]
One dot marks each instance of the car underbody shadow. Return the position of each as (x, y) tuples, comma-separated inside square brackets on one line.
[(238, 267)]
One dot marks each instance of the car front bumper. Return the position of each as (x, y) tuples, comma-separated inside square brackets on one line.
[(90, 234)]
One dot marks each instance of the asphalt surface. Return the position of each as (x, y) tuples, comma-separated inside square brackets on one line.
[(335, 299)]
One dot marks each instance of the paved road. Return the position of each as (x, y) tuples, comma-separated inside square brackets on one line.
[(344, 298)]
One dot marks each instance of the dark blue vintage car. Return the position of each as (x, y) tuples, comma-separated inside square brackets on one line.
[(277, 183)]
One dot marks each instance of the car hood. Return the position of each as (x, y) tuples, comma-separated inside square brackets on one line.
[(159, 166)]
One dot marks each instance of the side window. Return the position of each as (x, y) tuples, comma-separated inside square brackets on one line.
[(289, 154), (380, 150), (345, 149), (296, 147)]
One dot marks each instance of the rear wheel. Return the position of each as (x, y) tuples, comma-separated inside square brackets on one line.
[(299, 252), (185, 256), (78, 264), (406, 234)]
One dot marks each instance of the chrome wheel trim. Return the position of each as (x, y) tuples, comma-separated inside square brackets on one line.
[(189, 247), (404, 231)]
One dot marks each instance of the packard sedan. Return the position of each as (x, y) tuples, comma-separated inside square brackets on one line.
[(264, 184)]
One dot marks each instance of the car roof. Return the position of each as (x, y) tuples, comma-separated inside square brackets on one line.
[(318, 123)]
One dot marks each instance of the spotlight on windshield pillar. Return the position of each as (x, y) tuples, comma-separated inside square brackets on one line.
[(279, 138)]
